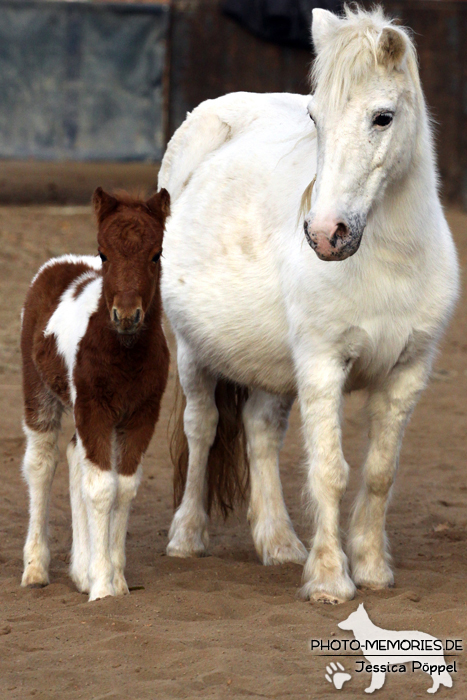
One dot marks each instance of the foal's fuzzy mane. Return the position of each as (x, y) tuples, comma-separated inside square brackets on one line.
[(352, 51), (134, 200)]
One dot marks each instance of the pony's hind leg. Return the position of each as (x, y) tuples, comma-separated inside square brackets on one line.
[(80, 545), (265, 418), (127, 487), (40, 462), (188, 535), (390, 408)]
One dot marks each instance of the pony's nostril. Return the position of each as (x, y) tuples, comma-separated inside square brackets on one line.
[(115, 315), (138, 315), (341, 231), (305, 226)]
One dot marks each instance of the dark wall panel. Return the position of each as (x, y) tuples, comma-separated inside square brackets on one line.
[(211, 54)]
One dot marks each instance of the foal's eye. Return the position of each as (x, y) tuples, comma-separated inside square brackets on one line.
[(103, 257), (381, 121), (156, 258)]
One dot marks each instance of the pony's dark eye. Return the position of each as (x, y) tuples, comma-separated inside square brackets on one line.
[(382, 120), (103, 257), (156, 258)]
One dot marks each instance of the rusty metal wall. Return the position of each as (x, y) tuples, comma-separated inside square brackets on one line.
[(211, 55), (440, 32)]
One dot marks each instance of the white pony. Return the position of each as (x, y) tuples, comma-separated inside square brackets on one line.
[(252, 179)]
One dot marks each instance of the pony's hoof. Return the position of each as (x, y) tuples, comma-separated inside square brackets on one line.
[(326, 599), (374, 578), (330, 594), (35, 576), (293, 552), (120, 585), (276, 542), (81, 580), (101, 590), (175, 549), (188, 536)]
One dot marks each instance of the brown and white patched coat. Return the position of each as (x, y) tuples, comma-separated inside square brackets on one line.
[(92, 341)]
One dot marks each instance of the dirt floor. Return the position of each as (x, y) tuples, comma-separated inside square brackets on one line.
[(223, 626)]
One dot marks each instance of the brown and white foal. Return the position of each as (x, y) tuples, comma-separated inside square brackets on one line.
[(92, 340)]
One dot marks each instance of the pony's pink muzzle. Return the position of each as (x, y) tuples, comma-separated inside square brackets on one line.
[(335, 241)]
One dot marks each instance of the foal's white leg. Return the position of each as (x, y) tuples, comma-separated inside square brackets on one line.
[(390, 408), (127, 487), (265, 418), (325, 576), (40, 462), (80, 546), (99, 489), (188, 535)]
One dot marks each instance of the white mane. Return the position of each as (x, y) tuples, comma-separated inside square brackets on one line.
[(352, 52)]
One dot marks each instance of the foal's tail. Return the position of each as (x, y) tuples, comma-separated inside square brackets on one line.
[(228, 468)]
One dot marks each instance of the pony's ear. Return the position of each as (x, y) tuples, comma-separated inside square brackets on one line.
[(391, 47), (323, 25), (104, 204), (159, 205)]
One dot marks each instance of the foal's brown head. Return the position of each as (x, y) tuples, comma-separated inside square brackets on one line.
[(130, 233)]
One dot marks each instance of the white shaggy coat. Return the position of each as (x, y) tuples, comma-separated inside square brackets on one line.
[(248, 299)]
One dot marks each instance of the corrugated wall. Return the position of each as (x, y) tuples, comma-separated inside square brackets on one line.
[(81, 81)]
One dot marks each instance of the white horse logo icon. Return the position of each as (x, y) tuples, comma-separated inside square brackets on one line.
[(373, 638)]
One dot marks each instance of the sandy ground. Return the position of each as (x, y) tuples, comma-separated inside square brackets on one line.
[(223, 626)]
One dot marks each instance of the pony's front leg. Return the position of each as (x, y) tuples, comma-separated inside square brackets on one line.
[(265, 418), (127, 487), (99, 491), (188, 535), (94, 431), (390, 407), (325, 577)]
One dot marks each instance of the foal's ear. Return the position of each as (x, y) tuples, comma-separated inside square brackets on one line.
[(391, 47), (104, 204), (159, 205), (323, 25)]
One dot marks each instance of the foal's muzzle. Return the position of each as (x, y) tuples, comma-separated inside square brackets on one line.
[(127, 322)]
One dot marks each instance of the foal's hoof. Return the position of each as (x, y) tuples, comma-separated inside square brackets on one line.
[(35, 576)]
